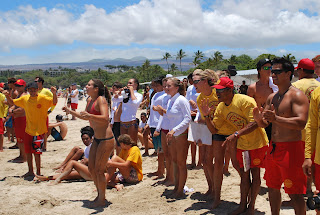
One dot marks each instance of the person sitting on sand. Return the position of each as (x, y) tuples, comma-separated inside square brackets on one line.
[(58, 136), (129, 163), (70, 167), (141, 131), (78, 153)]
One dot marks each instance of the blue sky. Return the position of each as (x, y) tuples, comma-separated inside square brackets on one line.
[(76, 31)]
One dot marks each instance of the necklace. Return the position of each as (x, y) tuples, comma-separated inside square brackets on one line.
[(281, 96)]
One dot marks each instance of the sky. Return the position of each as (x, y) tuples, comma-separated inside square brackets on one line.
[(37, 31)]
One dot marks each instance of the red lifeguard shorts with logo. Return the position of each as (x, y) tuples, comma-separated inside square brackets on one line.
[(283, 164), (19, 128), (256, 157)]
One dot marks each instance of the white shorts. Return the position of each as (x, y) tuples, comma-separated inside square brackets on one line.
[(199, 132)]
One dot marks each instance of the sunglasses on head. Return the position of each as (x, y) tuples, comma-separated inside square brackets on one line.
[(196, 81), (277, 71), (267, 67)]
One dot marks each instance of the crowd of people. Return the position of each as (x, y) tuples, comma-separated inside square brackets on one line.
[(271, 124)]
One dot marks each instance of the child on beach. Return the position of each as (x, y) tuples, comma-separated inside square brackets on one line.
[(129, 164)]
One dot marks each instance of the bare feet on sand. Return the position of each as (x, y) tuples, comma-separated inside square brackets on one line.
[(239, 210), (119, 187)]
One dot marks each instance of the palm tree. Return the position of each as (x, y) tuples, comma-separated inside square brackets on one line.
[(233, 59), (217, 57), (292, 58), (195, 61), (199, 55), (181, 54), (173, 67), (165, 57)]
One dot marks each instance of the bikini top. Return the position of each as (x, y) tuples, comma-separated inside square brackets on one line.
[(92, 110)]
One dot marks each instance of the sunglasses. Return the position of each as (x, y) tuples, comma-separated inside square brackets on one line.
[(18, 85), (277, 71), (267, 67), (196, 81), (222, 90)]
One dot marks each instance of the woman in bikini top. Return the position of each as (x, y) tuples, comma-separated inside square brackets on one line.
[(97, 113)]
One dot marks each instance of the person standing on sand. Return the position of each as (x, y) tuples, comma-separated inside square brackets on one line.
[(261, 89), (130, 106), (287, 110), (36, 108), (179, 115), (97, 112), (3, 115), (247, 141), (313, 141), (19, 121), (74, 98)]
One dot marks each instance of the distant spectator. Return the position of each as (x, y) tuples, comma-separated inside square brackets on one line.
[(243, 88)]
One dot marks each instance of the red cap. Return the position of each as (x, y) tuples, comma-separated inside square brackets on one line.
[(223, 83), (21, 82), (1, 84), (305, 63)]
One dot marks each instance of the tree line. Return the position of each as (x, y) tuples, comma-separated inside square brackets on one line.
[(144, 73)]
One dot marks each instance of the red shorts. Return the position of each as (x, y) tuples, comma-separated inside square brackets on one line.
[(33, 144), (317, 176), (19, 128), (256, 157), (284, 165), (74, 106), (1, 126)]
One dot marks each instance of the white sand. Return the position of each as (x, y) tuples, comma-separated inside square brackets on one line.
[(19, 196)]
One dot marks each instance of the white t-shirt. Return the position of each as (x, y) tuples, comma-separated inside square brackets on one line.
[(163, 122), (87, 151), (142, 124), (129, 109), (76, 98), (154, 115), (192, 95), (179, 114), (114, 107)]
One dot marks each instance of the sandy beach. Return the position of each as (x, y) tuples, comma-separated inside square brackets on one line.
[(20, 196)]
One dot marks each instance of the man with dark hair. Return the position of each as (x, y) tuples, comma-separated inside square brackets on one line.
[(261, 89), (58, 136), (46, 92), (247, 142), (243, 88), (287, 110), (9, 120), (36, 107)]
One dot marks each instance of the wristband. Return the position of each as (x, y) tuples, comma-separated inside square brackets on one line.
[(236, 134)]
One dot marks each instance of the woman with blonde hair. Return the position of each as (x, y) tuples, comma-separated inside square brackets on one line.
[(203, 82)]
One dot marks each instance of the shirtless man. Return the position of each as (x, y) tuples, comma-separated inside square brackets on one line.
[(287, 110), (261, 90), (58, 136)]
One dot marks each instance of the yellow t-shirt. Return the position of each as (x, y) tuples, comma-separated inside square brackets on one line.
[(36, 109), (48, 93), (3, 107), (213, 103), (313, 127), (306, 85), (238, 114), (133, 155)]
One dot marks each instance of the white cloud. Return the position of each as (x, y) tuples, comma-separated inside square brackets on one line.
[(250, 25), (231, 23)]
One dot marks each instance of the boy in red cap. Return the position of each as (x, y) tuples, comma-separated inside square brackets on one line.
[(36, 107), (287, 110), (246, 139), (19, 121)]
